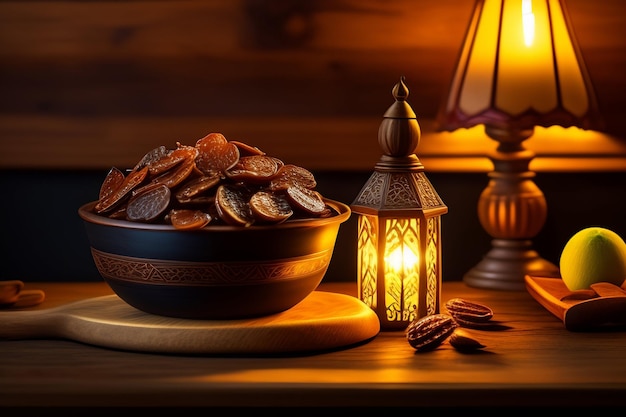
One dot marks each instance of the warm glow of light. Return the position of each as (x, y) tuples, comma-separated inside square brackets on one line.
[(578, 150), (519, 60), (401, 269), (401, 259), (367, 260), (526, 78), (528, 22), (309, 375)]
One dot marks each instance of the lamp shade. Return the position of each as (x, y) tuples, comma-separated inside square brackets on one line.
[(520, 67)]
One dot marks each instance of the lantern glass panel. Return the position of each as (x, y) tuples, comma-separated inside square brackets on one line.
[(367, 262), (431, 258), (402, 268)]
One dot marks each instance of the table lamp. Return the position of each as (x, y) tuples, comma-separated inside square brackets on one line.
[(519, 68), (399, 225)]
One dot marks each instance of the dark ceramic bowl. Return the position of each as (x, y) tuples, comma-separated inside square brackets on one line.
[(218, 272)]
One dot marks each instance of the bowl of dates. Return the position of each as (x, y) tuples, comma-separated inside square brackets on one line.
[(216, 230)]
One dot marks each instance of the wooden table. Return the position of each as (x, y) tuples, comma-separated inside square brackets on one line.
[(533, 361)]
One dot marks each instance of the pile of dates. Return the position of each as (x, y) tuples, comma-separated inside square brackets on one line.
[(215, 181), (427, 333)]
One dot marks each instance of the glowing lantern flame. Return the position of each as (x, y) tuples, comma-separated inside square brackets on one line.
[(402, 259)]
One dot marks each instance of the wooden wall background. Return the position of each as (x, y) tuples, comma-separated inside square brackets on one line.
[(92, 84)]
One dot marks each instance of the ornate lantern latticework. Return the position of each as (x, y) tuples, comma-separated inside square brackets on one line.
[(399, 225)]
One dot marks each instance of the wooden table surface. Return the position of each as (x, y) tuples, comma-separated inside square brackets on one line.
[(531, 361)]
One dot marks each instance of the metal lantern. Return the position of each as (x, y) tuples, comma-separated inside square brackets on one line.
[(399, 225)]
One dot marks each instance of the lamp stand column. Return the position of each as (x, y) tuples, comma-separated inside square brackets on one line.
[(512, 209)]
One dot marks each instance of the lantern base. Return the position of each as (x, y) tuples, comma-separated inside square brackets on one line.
[(506, 264)]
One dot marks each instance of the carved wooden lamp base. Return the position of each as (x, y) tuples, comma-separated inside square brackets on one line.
[(512, 209), (506, 264)]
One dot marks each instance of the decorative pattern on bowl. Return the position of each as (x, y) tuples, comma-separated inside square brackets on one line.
[(206, 273)]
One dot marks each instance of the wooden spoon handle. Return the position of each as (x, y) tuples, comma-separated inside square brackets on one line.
[(9, 291), (595, 314), (28, 298), (606, 289)]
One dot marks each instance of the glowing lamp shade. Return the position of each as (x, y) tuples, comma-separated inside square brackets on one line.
[(519, 67), (399, 226)]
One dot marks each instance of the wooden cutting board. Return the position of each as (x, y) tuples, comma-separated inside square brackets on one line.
[(606, 309), (322, 321)]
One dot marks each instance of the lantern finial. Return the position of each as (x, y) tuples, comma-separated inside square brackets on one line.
[(399, 133)]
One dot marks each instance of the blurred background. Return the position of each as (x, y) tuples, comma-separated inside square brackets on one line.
[(88, 85)]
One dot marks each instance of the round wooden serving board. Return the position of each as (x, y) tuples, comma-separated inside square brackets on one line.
[(322, 321)]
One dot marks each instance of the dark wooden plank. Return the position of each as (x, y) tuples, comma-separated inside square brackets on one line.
[(322, 143), (532, 361), (90, 84)]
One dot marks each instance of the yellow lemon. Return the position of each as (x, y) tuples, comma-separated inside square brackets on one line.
[(594, 254)]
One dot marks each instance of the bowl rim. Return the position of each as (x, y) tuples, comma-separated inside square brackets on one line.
[(343, 213)]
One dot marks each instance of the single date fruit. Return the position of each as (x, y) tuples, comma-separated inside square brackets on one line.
[(468, 311), (428, 332), (464, 342)]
